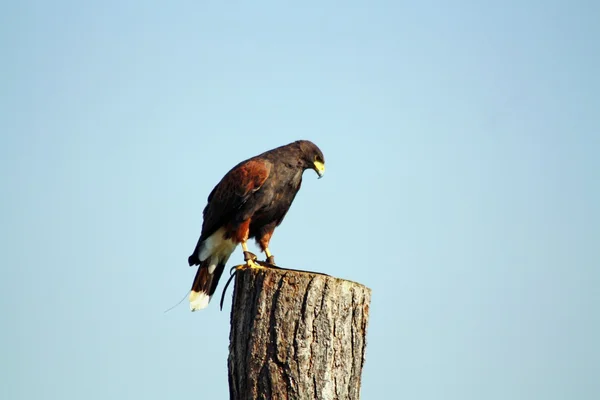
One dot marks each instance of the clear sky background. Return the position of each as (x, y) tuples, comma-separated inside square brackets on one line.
[(462, 143)]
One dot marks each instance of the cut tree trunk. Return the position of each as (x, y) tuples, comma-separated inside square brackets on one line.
[(296, 335)]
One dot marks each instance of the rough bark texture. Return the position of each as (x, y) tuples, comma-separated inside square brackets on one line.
[(296, 335)]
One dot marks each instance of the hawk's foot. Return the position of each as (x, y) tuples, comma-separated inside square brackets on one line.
[(250, 264), (271, 260)]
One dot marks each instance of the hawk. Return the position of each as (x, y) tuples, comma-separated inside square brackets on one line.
[(250, 201)]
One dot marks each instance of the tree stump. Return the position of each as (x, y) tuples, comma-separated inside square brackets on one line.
[(296, 335)]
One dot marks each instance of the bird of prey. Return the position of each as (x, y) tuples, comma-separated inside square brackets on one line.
[(250, 201)]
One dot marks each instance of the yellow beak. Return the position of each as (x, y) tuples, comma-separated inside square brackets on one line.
[(320, 168)]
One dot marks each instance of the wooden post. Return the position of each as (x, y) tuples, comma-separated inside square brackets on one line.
[(296, 335)]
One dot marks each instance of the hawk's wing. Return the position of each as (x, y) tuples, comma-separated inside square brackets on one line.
[(232, 192)]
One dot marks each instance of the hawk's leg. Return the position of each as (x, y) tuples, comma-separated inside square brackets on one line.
[(249, 258), (270, 257), (263, 239)]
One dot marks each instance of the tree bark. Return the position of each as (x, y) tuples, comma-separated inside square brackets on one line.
[(296, 335)]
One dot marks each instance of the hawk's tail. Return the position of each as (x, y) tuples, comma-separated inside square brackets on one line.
[(205, 284)]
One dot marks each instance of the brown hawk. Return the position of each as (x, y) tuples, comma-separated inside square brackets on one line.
[(250, 201)]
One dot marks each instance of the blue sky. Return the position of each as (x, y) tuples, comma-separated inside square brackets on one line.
[(462, 186)]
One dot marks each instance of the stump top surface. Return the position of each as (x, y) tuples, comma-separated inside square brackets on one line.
[(301, 274)]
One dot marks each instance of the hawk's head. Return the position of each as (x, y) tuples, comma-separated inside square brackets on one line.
[(312, 157)]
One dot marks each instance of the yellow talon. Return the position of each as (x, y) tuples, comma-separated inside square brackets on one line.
[(250, 264)]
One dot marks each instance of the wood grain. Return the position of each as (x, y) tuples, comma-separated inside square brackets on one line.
[(296, 335)]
